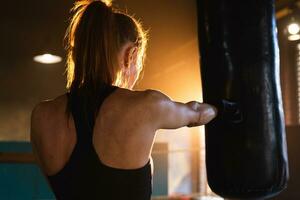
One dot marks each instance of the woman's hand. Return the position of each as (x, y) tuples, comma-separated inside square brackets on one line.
[(207, 112)]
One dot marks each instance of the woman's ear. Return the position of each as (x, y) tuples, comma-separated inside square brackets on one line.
[(130, 55), (134, 54)]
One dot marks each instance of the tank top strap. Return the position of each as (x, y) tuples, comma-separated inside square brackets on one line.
[(84, 128)]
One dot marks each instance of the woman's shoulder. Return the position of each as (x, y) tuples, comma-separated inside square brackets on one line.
[(142, 105), (152, 99), (47, 108), (138, 98), (47, 113)]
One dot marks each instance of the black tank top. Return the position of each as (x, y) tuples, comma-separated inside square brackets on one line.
[(85, 177)]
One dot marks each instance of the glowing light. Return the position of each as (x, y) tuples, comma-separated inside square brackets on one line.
[(294, 37), (293, 28), (107, 2), (47, 59)]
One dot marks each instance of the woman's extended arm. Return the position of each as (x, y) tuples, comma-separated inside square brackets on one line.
[(168, 114)]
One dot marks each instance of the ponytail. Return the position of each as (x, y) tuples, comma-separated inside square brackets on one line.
[(90, 44), (93, 40)]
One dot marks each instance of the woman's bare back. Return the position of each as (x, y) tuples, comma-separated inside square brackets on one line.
[(121, 136), (124, 129)]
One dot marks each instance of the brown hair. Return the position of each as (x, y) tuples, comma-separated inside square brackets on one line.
[(93, 39)]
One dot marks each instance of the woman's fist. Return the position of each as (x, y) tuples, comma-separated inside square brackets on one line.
[(206, 113)]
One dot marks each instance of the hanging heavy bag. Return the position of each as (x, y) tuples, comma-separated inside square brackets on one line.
[(246, 155)]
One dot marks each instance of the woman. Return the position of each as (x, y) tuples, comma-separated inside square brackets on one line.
[(94, 142)]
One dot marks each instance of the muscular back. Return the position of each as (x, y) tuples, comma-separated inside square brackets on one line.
[(124, 128)]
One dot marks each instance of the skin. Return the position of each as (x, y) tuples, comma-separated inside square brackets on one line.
[(118, 133), (127, 60)]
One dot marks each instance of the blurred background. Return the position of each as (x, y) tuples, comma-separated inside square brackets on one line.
[(32, 65)]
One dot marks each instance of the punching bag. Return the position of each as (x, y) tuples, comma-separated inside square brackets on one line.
[(246, 154)]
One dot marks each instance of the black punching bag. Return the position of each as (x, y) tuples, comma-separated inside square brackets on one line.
[(246, 154)]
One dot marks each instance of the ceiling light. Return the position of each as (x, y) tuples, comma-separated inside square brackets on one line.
[(293, 28), (47, 59), (294, 37)]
